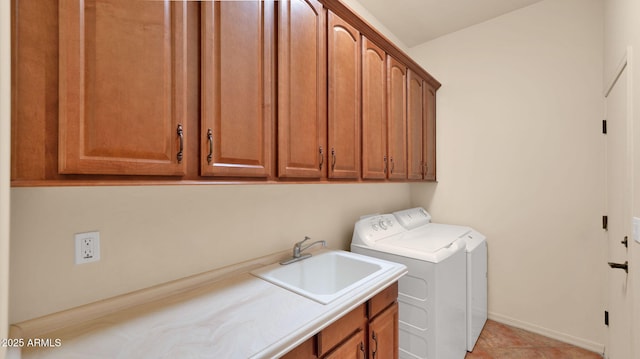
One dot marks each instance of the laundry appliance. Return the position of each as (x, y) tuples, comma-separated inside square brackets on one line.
[(432, 295), (443, 298)]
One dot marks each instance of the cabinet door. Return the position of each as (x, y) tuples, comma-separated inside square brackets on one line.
[(237, 118), (302, 89), (344, 98), (122, 87), (353, 348), (383, 334), (397, 118), (415, 126), (374, 111), (306, 350), (430, 133)]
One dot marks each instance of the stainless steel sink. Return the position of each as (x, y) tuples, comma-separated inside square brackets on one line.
[(326, 276)]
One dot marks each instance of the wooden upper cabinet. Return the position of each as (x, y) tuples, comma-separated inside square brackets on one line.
[(430, 133), (415, 126), (122, 99), (374, 111), (238, 88), (344, 98), (397, 118), (302, 90)]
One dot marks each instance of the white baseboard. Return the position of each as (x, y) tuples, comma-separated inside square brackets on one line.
[(566, 338)]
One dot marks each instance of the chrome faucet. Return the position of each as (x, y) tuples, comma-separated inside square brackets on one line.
[(298, 248)]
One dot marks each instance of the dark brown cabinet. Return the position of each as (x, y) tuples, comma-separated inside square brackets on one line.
[(415, 126), (148, 92), (122, 94), (374, 111), (383, 334), (421, 148), (343, 75), (353, 348), (429, 132), (397, 118), (384, 114), (369, 331), (302, 90), (238, 88)]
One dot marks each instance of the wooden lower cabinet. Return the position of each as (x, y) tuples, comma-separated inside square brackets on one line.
[(383, 334), (369, 331), (353, 348)]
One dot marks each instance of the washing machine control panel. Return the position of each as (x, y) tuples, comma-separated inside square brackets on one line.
[(413, 217), (374, 228)]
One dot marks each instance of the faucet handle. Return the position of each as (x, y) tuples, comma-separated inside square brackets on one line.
[(306, 238)]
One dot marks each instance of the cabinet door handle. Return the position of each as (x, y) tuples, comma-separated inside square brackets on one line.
[(364, 354), (375, 340), (393, 164), (321, 157), (181, 137), (385, 164), (333, 159), (210, 139)]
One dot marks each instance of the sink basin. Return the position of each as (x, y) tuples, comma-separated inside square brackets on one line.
[(326, 276)]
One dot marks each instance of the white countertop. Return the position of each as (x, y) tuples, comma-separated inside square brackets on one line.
[(238, 317)]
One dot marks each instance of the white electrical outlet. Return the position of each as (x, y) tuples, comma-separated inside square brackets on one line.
[(87, 247)]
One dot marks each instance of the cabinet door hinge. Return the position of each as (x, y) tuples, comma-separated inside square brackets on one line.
[(604, 126), (606, 318), (605, 222)]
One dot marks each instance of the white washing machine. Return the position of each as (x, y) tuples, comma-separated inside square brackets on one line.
[(432, 295), (476, 267)]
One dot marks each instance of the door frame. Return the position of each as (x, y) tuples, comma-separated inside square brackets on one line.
[(624, 68)]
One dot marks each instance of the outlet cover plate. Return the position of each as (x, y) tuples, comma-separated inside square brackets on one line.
[(87, 247), (636, 229)]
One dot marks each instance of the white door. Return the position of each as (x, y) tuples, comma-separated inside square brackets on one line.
[(619, 215)]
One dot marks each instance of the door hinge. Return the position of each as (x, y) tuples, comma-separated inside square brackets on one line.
[(606, 318), (604, 126), (605, 222)]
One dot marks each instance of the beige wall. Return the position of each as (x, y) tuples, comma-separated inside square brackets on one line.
[(151, 235), (365, 14), (622, 30), (5, 139), (520, 158)]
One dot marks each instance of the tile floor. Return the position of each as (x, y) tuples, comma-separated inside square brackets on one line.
[(499, 341)]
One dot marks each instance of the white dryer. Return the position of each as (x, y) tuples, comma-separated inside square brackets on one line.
[(432, 296), (476, 286)]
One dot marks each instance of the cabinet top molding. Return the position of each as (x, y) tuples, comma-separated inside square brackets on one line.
[(374, 35)]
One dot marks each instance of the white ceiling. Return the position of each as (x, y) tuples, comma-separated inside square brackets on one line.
[(418, 21)]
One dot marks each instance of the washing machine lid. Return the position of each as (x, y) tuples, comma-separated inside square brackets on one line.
[(432, 243), (429, 238)]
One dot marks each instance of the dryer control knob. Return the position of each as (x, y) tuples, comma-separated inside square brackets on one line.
[(382, 224)]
